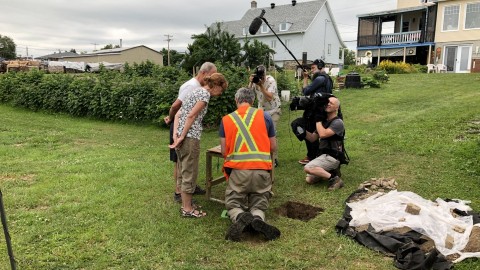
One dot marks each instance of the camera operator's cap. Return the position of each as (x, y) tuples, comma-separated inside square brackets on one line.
[(260, 70), (319, 63)]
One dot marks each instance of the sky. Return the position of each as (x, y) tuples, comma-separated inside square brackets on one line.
[(41, 27)]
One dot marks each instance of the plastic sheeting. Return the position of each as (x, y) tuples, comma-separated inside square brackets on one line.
[(385, 212)]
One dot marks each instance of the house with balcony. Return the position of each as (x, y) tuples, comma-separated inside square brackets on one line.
[(441, 32), (308, 29)]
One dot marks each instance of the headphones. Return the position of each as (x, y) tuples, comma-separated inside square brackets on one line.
[(319, 62)]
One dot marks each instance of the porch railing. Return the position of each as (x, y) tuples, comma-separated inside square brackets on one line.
[(398, 38)]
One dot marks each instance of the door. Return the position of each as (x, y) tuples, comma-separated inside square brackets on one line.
[(450, 57), (464, 57), (458, 58)]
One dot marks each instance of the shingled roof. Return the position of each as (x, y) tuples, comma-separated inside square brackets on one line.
[(300, 16)]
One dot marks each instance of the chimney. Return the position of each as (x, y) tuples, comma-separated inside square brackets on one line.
[(272, 5), (253, 4), (294, 2)]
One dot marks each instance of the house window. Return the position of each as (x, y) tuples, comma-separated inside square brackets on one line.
[(405, 27), (285, 26), (264, 29), (287, 43), (472, 16), (273, 44), (450, 18), (329, 50)]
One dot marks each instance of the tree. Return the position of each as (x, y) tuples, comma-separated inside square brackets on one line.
[(256, 53), (349, 57), (7, 48), (110, 46), (213, 45), (175, 57), (73, 50)]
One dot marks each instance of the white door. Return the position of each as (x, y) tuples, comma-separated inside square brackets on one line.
[(464, 59), (458, 58)]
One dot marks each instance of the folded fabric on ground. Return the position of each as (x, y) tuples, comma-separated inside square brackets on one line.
[(401, 223)]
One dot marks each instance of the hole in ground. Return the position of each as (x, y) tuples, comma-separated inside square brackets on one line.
[(296, 210)]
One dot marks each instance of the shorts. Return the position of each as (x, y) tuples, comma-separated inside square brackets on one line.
[(324, 161), (173, 154)]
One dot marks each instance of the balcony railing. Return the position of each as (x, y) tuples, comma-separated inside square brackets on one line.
[(399, 38)]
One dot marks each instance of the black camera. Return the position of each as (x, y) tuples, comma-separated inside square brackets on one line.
[(313, 106), (259, 74)]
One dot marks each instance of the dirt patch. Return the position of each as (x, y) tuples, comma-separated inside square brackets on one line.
[(296, 210), (474, 241)]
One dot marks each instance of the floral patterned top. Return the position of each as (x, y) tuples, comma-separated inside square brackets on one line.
[(198, 95), (269, 106)]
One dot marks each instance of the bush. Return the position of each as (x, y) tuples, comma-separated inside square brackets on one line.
[(397, 67), (143, 93)]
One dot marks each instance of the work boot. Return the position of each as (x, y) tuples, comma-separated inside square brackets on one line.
[(235, 230), (270, 232), (335, 183), (199, 191)]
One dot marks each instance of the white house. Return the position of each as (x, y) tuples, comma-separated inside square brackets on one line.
[(304, 27)]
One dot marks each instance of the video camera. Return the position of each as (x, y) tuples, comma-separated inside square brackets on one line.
[(314, 111)]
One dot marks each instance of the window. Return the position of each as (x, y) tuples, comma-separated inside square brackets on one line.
[(472, 16), (264, 29), (287, 43), (244, 31), (405, 27), (450, 18), (285, 26), (273, 44)]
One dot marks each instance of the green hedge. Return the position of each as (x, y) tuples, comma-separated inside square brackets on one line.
[(142, 93)]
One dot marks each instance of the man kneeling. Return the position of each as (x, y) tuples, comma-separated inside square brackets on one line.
[(331, 133), (247, 139)]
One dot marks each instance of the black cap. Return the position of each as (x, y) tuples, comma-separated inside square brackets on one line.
[(319, 63)]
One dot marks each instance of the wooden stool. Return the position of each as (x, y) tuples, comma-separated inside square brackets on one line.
[(210, 181)]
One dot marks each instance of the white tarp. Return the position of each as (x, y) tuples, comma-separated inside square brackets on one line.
[(435, 220), (67, 64), (93, 67)]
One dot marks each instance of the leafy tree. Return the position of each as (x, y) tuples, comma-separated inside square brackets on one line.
[(256, 53), (349, 57), (7, 48), (73, 50), (215, 45), (175, 57), (110, 46)]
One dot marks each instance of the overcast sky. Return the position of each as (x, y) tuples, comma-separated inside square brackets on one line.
[(47, 26)]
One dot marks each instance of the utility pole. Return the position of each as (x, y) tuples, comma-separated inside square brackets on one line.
[(95, 46), (168, 48)]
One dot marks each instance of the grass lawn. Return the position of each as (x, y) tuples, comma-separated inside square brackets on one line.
[(85, 194)]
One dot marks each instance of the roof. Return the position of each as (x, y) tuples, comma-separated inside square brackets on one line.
[(57, 55), (300, 16), (392, 12), (110, 51)]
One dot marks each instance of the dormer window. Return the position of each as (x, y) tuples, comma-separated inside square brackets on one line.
[(285, 26), (264, 29)]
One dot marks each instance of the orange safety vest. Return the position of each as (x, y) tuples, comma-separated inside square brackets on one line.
[(247, 145)]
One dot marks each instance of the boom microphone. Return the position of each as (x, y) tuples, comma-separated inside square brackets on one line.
[(256, 23)]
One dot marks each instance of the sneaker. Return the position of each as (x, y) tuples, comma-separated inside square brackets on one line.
[(336, 183), (304, 161), (199, 191), (235, 230), (270, 232)]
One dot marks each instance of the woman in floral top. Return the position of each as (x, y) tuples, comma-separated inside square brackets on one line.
[(186, 140)]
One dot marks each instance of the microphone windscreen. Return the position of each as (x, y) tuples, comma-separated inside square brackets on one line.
[(255, 25)]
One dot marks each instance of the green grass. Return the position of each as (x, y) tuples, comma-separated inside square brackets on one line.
[(84, 194)]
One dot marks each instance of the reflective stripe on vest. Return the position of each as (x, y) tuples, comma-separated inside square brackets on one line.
[(245, 137)]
